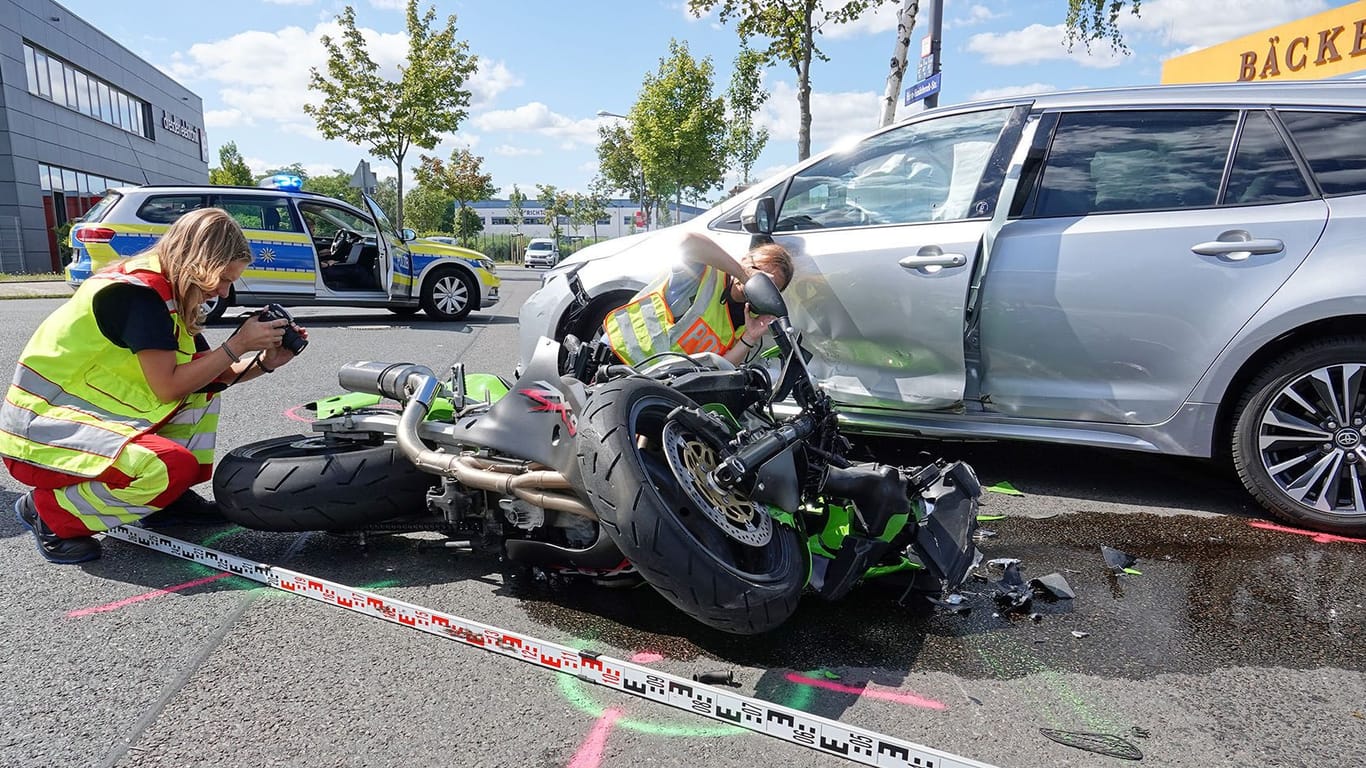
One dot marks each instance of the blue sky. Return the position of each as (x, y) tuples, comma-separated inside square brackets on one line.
[(547, 67)]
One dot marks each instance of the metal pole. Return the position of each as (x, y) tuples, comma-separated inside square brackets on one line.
[(936, 33)]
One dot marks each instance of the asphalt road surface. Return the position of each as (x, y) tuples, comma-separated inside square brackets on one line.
[(1238, 643)]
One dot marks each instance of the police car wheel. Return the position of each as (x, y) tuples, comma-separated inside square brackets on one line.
[(215, 307), (449, 295)]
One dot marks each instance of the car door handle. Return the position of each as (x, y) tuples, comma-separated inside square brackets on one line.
[(1237, 245), (933, 257)]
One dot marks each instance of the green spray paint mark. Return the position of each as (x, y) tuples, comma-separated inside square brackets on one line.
[(569, 688), (1024, 663)]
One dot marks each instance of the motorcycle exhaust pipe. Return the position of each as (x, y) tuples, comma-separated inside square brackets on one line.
[(385, 379), (531, 486)]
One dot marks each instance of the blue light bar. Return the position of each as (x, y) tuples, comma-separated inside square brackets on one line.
[(284, 181)]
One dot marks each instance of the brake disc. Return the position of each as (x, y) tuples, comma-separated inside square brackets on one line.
[(692, 462)]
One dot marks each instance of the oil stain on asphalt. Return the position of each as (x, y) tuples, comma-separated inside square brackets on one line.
[(1211, 593)]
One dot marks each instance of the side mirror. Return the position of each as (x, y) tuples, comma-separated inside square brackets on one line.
[(758, 216), (408, 235), (764, 296)]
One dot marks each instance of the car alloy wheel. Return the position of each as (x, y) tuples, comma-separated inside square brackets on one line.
[(449, 295), (1311, 442)]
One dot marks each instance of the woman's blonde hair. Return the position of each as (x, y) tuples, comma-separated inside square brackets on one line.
[(776, 258), (193, 254)]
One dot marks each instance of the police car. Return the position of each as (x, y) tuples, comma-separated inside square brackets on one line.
[(309, 250)]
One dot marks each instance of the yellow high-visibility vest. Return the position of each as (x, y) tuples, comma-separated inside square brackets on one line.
[(647, 326), (77, 398)]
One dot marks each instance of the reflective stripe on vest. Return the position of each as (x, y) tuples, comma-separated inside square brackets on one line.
[(77, 399), (648, 326)]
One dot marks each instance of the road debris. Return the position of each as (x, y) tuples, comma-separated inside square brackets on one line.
[(1055, 585), (1099, 743), (1119, 561)]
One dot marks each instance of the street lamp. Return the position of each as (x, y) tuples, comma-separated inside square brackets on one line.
[(605, 113)]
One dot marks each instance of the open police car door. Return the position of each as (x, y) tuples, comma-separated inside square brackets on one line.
[(396, 263)]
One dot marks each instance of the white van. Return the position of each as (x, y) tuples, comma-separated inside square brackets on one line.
[(542, 252)]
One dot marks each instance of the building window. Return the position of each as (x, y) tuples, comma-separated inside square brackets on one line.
[(76, 89), (69, 194)]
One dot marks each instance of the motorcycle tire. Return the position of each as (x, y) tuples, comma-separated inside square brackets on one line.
[(304, 483), (676, 547)]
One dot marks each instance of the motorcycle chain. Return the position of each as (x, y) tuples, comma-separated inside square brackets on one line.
[(794, 726)]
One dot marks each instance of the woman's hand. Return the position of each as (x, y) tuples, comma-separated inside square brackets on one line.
[(279, 355), (257, 335), (756, 326)]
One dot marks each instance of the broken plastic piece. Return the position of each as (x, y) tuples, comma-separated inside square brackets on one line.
[(990, 518), (1002, 562), (1011, 590), (1036, 617), (958, 608), (1055, 585), (1117, 560), (1004, 487), (1079, 634), (983, 533)]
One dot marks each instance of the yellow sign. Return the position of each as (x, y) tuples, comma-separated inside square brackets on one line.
[(1323, 45)]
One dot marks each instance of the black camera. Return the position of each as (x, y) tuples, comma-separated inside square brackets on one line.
[(293, 340)]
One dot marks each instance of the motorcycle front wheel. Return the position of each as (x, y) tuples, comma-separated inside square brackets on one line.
[(714, 554), (308, 483)]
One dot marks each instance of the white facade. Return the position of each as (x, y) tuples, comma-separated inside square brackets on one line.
[(620, 219)]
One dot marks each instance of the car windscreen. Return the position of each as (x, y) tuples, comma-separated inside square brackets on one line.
[(101, 208), (538, 247)]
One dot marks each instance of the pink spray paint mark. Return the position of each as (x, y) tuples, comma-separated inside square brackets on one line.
[(1321, 538), (144, 596), (590, 751), (646, 657), (293, 415), (900, 697)]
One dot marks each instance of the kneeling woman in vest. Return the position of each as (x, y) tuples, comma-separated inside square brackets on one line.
[(112, 412), (698, 306)]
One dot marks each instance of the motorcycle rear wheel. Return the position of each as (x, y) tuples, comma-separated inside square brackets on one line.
[(305, 483), (677, 546)]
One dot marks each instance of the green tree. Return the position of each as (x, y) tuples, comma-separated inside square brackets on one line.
[(336, 185), (556, 204), (428, 209), (791, 26), (621, 168), (386, 197), (595, 203), (517, 216), (744, 140), (461, 178), (678, 127), (363, 107), (469, 224), (232, 170), (1089, 20)]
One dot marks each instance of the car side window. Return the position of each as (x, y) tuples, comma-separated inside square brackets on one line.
[(926, 171), (324, 221), (1137, 160), (1263, 170), (260, 213), (1331, 143), (165, 209)]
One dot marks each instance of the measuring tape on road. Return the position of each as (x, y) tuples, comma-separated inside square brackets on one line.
[(794, 726)]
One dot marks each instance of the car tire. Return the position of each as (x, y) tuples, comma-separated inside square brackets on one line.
[(1293, 447), (216, 307), (449, 294)]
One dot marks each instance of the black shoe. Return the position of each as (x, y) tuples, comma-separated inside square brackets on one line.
[(189, 509), (50, 545)]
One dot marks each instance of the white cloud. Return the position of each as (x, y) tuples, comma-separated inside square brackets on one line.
[(879, 21), (1203, 23), (492, 79), (833, 115), (1036, 43), (977, 14), (535, 117), (390, 5), (1008, 91), (225, 118), (507, 150)]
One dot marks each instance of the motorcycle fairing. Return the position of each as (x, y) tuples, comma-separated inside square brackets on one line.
[(944, 542), (537, 419)]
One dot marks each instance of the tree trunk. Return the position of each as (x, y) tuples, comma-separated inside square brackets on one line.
[(905, 24), (398, 206), (804, 88)]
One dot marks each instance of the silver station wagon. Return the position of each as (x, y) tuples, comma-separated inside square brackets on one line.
[(1173, 269)]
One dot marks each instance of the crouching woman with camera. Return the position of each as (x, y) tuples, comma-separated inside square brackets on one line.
[(113, 409)]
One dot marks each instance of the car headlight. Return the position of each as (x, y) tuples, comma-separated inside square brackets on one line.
[(488, 264)]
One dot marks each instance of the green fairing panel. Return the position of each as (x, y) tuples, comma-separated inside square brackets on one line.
[(336, 405), (481, 387)]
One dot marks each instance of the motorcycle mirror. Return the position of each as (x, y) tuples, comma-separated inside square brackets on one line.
[(764, 296)]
